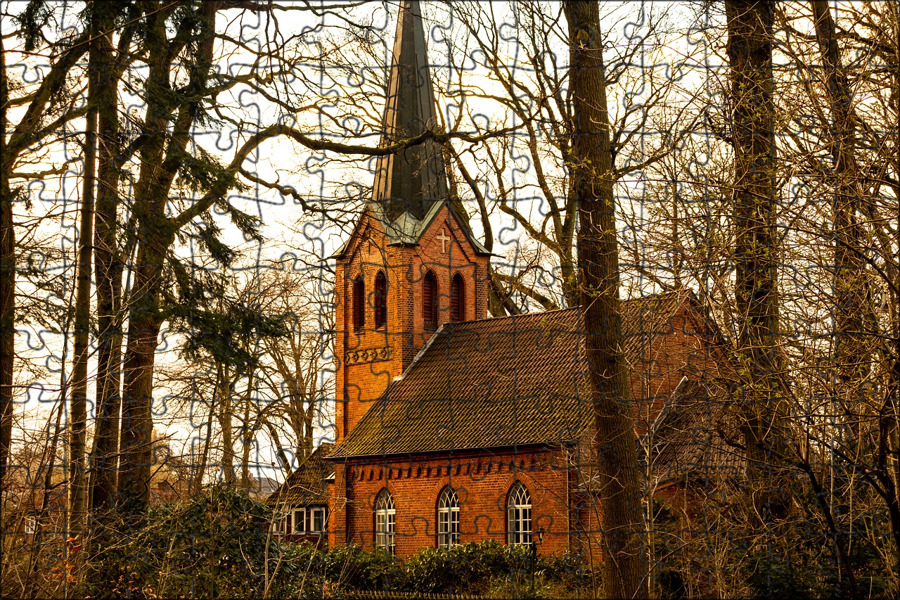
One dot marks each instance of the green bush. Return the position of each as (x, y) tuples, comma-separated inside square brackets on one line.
[(465, 567), (212, 545), (218, 544), (474, 568)]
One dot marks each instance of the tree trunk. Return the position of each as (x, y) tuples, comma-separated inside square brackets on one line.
[(77, 418), (11, 144), (200, 471), (108, 276), (615, 438), (7, 284), (156, 234), (750, 55), (851, 358), (226, 422), (143, 330), (246, 439), (7, 293), (283, 459), (851, 291), (893, 390)]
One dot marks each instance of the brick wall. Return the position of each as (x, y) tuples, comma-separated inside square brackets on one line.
[(444, 250), (571, 520), (481, 480), (684, 348)]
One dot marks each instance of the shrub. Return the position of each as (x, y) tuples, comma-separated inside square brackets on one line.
[(212, 545), (217, 544)]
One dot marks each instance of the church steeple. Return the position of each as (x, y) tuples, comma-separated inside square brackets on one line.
[(413, 180), (411, 264)]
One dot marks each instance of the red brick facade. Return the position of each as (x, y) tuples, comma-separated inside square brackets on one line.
[(411, 194), (370, 358), (566, 512), (481, 481), (684, 348)]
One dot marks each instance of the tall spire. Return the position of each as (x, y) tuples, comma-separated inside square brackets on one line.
[(414, 179)]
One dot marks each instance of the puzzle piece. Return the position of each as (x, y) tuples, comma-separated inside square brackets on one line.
[(327, 334)]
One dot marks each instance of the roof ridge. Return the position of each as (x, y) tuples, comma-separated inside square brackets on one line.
[(414, 360), (518, 316), (675, 293)]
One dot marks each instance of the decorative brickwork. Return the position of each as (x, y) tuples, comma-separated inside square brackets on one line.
[(490, 402), (369, 358), (355, 357), (481, 481)]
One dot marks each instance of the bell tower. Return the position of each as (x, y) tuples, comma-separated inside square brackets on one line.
[(411, 264)]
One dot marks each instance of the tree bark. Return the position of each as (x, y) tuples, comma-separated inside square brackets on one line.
[(246, 439), (108, 275), (852, 358), (750, 38), (156, 233), (199, 472), (7, 284), (594, 188), (851, 291), (77, 418), (226, 423)]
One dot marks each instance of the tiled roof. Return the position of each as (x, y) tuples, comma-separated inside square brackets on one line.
[(309, 483), (500, 382), (695, 434)]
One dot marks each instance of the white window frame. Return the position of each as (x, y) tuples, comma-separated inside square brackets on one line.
[(448, 518), (518, 516), (322, 513), (385, 522), (299, 516), (283, 524)]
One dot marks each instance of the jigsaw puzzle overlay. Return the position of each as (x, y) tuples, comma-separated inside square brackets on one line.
[(451, 298)]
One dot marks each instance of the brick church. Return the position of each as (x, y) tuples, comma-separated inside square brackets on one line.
[(454, 427)]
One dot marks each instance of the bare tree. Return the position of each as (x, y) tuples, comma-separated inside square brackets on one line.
[(46, 110), (294, 366), (615, 442), (750, 40)]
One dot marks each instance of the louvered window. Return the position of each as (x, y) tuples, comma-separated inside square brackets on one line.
[(457, 299), (518, 515), (380, 300), (430, 301), (359, 303)]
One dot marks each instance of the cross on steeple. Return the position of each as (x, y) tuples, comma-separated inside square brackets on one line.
[(443, 238)]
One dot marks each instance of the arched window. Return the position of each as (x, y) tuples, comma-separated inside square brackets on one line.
[(380, 300), (384, 521), (430, 301), (448, 518), (359, 303), (518, 515), (457, 299)]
